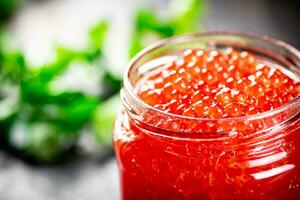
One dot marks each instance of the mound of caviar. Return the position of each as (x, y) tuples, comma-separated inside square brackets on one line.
[(214, 84)]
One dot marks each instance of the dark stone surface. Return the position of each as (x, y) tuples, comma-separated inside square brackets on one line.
[(79, 179)]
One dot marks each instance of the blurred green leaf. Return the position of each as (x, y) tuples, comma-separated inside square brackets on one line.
[(98, 34), (40, 140), (44, 123), (12, 61), (64, 56), (103, 118), (71, 111), (7, 8), (12, 66), (9, 100), (185, 17), (147, 22), (112, 85)]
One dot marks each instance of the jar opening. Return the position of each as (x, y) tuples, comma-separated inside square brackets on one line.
[(263, 46)]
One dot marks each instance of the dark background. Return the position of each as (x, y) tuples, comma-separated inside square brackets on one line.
[(94, 177), (280, 19)]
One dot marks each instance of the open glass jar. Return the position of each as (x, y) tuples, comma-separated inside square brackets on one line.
[(168, 156)]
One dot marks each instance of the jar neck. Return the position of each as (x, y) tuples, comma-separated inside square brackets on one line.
[(172, 125)]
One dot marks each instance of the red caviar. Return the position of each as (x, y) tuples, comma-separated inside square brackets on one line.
[(211, 150), (212, 84)]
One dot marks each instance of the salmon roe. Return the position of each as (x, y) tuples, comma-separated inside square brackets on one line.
[(215, 84)]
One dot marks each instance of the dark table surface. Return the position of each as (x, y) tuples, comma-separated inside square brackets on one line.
[(94, 176)]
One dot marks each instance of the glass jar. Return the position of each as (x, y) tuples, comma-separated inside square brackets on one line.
[(168, 156)]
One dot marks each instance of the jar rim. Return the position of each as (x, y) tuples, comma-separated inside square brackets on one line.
[(128, 87)]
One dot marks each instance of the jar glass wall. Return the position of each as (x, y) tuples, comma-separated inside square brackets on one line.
[(168, 156)]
